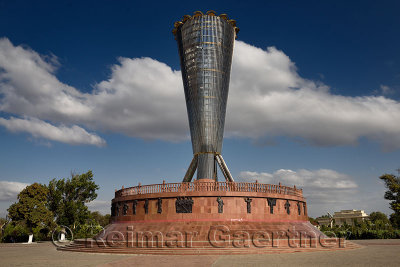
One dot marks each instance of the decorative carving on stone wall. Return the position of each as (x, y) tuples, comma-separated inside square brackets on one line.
[(125, 209), (146, 206), (271, 204), (113, 209), (117, 209), (248, 201), (159, 205), (134, 204), (287, 206), (220, 205), (299, 207), (183, 204)]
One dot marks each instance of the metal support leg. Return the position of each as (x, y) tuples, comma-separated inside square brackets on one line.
[(224, 168), (191, 170)]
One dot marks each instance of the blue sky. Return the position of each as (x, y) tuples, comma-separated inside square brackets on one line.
[(314, 97)]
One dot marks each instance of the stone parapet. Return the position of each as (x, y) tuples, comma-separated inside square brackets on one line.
[(208, 201), (209, 187)]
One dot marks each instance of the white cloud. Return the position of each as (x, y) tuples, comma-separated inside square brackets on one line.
[(386, 90), (10, 190), (144, 98), (324, 189), (29, 87), (74, 135), (315, 179), (295, 107)]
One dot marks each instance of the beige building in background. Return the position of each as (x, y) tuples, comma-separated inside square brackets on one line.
[(342, 217), (349, 216)]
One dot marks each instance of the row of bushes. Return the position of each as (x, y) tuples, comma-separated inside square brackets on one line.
[(19, 232), (368, 234)]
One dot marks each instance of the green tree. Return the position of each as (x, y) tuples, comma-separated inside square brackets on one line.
[(379, 219), (16, 232), (102, 220), (67, 198), (2, 222), (395, 220), (31, 209), (392, 183)]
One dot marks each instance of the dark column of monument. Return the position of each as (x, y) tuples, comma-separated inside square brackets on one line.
[(205, 45)]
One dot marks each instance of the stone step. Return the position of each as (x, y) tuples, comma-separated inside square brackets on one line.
[(199, 251), (80, 245)]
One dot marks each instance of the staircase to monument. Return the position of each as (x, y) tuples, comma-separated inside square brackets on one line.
[(81, 247), (232, 238)]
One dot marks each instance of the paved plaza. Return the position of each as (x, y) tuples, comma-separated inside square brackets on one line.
[(374, 253)]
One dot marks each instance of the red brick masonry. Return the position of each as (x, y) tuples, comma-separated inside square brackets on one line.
[(209, 217), (205, 205)]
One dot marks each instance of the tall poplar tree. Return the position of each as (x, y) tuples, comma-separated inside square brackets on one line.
[(392, 183), (67, 198)]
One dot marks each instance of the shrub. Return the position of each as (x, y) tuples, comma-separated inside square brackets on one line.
[(16, 233)]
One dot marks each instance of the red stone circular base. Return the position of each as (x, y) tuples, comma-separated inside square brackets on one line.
[(209, 237), (209, 218)]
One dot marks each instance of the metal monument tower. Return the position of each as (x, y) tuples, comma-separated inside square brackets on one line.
[(258, 210), (205, 43)]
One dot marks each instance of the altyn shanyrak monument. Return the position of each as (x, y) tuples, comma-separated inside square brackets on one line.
[(207, 216)]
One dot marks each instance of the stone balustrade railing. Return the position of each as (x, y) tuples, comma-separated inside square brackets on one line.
[(209, 187)]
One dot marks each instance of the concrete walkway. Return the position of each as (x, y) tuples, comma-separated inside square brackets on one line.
[(375, 253)]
